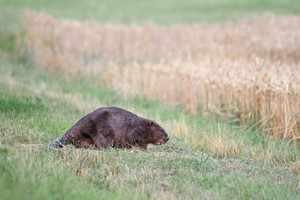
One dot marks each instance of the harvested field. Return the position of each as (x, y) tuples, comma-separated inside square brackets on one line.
[(247, 71)]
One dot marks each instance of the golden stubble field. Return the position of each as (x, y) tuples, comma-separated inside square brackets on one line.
[(247, 71)]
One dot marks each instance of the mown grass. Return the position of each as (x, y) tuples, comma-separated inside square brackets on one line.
[(36, 108)]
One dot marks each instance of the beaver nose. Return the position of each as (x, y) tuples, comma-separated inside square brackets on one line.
[(167, 138)]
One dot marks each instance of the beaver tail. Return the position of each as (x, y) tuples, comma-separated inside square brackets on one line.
[(59, 143)]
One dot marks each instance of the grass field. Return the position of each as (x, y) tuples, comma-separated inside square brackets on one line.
[(135, 11), (206, 158), (224, 162)]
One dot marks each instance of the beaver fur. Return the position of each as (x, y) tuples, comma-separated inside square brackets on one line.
[(112, 127)]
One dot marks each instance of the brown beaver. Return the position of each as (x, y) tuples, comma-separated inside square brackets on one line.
[(112, 127)]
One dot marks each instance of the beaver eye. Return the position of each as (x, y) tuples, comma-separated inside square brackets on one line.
[(151, 123)]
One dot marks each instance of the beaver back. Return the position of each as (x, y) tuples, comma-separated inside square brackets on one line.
[(115, 127)]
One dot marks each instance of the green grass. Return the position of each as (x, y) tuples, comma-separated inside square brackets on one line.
[(37, 107), (162, 12)]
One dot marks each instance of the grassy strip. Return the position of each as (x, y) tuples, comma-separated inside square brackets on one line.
[(36, 107), (134, 11)]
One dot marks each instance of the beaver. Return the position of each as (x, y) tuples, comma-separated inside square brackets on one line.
[(112, 127)]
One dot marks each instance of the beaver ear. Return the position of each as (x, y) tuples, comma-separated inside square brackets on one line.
[(151, 123)]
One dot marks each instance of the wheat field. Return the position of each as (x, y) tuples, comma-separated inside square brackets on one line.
[(247, 71)]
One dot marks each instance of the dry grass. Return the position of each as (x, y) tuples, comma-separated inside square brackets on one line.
[(247, 71)]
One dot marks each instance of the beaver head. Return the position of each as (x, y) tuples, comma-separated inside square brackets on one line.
[(157, 135)]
